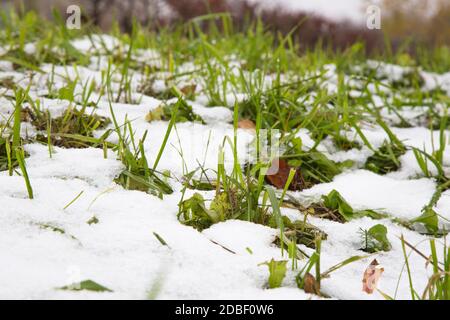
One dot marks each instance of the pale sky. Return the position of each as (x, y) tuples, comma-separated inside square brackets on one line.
[(353, 10)]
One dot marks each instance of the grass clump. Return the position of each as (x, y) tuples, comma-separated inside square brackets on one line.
[(300, 232), (309, 277), (166, 112), (315, 167), (226, 205), (138, 175), (8, 160), (311, 167), (375, 239), (246, 198), (438, 285), (386, 158), (334, 207), (20, 59), (74, 129), (334, 201)]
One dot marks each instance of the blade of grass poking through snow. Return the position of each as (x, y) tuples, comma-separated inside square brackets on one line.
[(436, 271), (277, 272), (446, 286), (9, 157), (327, 273), (17, 148), (75, 199), (385, 295), (20, 96), (221, 174), (408, 270), (24, 64), (49, 135), (125, 67), (237, 172), (318, 250), (286, 186), (20, 154), (157, 284), (87, 285), (169, 127), (277, 214), (161, 240), (422, 157)]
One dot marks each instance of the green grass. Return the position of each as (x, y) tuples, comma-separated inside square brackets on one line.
[(262, 77), (438, 285)]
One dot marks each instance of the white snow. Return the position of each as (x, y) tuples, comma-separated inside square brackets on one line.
[(367, 190), (47, 243)]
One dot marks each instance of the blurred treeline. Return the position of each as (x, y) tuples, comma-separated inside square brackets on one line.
[(421, 21), (406, 24)]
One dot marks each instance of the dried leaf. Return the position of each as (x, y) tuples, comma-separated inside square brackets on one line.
[(372, 276), (310, 284), (246, 124), (189, 90), (278, 174), (155, 115)]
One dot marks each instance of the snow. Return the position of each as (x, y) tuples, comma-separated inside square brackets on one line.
[(367, 190), (48, 243)]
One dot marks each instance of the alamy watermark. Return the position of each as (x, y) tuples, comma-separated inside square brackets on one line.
[(256, 148), (73, 20), (373, 15)]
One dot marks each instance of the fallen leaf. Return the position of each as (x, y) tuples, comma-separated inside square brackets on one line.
[(278, 173), (372, 276), (155, 115), (311, 285), (189, 89), (246, 124)]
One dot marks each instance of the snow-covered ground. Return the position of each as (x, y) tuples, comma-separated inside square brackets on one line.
[(122, 253)]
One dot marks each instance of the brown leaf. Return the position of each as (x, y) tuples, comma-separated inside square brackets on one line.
[(311, 285), (155, 115), (372, 276), (278, 174), (189, 89), (246, 124)]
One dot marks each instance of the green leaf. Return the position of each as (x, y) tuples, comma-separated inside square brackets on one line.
[(277, 272), (87, 285), (67, 92), (376, 239), (429, 218), (221, 205), (193, 212), (180, 112), (335, 201), (161, 240)]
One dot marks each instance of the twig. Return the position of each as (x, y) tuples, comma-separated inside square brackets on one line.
[(428, 259)]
